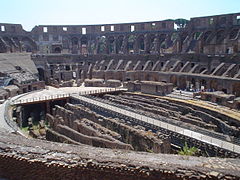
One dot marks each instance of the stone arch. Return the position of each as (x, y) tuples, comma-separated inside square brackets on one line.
[(130, 44), (235, 91), (57, 50), (29, 45), (17, 42), (162, 38), (41, 73), (102, 44), (220, 36), (84, 44), (75, 45), (3, 46), (120, 43), (206, 36), (173, 79), (151, 40), (140, 43), (213, 84), (203, 83), (222, 21), (10, 43), (74, 41), (193, 83), (182, 82), (111, 44), (233, 34)]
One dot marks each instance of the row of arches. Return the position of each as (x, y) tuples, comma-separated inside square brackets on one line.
[(131, 43), (17, 44)]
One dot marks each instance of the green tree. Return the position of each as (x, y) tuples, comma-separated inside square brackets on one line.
[(181, 23)]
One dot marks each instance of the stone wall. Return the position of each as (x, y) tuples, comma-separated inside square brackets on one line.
[(85, 126), (180, 114), (23, 158), (186, 71)]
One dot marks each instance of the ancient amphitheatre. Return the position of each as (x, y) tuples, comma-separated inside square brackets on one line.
[(121, 101)]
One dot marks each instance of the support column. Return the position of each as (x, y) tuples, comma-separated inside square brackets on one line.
[(146, 44)]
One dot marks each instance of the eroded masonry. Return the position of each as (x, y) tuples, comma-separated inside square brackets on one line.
[(121, 100)]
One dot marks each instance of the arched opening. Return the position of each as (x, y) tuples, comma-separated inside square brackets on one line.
[(57, 50), (151, 40), (17, 42), (84, 42), (182, 83), (3, 47), (173, 79), (203, 84), (220, 37), (193, 84), (74, 41), (141, 46), (41, 74), (233, 34), (213, 85), (29, 45), (206, 36), (75, 45), (10, 43), (236, 88), (120, 44), (131, 40), (111, 48), (102, 45)]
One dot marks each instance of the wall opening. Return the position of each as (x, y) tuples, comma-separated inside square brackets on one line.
[(67, 68), (3, 28), (41, 74), (132, 28), (65, 28), (102, 28), (57, 50), (112, 28), (238, 19), (84, 30), (211, 21), (45, 29), (153, 25)]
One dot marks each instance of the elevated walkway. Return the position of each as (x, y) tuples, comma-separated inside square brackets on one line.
[(156, 122)]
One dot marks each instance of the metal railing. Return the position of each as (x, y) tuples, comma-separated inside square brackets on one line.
[(64, 95)]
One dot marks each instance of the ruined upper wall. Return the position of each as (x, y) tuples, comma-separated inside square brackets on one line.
[(211, 22), (16, 29), (166, 25)]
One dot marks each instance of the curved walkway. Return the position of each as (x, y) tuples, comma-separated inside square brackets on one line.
[(4, 126)]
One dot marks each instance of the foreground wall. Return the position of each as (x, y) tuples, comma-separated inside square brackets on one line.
[(22, 158)]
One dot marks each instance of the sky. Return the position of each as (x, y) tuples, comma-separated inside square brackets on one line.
[(30, 13)]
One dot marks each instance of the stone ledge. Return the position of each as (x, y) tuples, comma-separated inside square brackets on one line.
[(40, 159)]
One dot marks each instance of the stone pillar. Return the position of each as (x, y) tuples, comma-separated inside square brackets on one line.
[(115, 45), (124, 45), (146, 44), (48, 108), (197, 85), (135, 47)]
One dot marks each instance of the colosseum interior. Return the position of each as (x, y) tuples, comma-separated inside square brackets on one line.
[(121, 101)]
